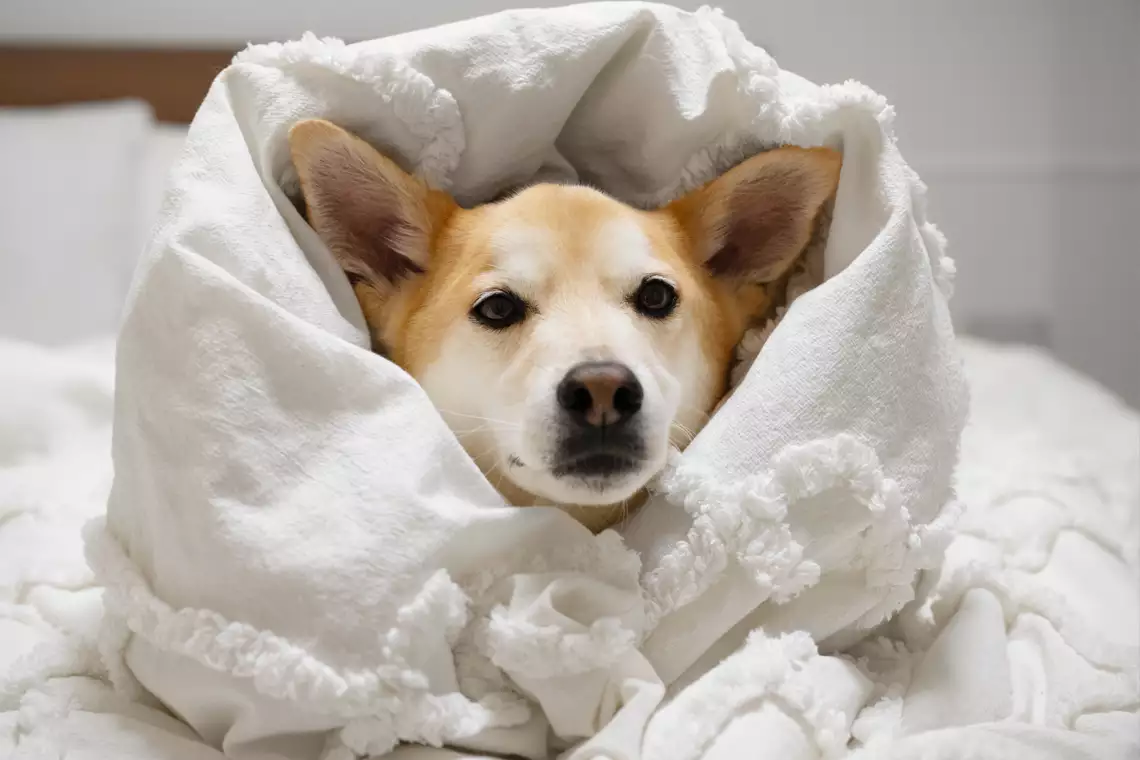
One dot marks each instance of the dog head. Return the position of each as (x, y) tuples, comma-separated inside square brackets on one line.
[(567, 338)]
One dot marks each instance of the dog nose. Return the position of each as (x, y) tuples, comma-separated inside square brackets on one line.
[(600, 393)]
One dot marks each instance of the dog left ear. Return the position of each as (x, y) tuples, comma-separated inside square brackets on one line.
[(376, 219), (752, 222)]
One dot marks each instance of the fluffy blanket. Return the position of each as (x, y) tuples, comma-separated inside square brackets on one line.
[(1024, 645), (298, 560)]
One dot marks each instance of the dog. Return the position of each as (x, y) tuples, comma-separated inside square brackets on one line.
[(568, 339)]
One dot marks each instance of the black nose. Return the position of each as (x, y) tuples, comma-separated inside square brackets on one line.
[(600, 393)]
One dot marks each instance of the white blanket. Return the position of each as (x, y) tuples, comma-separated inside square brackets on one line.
[(299, 559), (1024, 646)]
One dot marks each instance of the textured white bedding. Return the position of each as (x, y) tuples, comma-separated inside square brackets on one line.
[(1023, 644), (1029, 629)]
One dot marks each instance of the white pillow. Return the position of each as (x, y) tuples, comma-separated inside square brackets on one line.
[(164, 146), (68, 226)]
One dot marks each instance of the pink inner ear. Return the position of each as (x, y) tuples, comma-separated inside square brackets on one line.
[(768, 223), (358, 214)]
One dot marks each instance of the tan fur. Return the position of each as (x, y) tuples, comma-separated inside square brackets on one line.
[(719, 245)]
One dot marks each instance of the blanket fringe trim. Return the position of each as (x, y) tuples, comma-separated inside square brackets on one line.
[(382, 705), (745, 521)]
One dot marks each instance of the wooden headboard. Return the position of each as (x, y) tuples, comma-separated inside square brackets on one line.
[(173, 81)]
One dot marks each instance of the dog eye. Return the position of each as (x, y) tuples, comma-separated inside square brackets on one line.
[(498, 309), (656, 298)]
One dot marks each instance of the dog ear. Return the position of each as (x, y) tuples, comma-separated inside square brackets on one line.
[(375, 218), (751, 223)]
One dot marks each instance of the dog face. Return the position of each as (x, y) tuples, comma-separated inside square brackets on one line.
[(568, 339)]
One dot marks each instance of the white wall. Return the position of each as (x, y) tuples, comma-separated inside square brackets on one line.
[(1022, 115)]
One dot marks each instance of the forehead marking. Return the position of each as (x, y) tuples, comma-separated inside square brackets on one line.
[(528, 257), (623, 250), (523, 255)]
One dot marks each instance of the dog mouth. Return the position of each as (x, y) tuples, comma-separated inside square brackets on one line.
[(603, 465), (599, 456), (592, 466)]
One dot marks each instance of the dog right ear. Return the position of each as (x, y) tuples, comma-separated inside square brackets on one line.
[(751, 223), (377, 220)]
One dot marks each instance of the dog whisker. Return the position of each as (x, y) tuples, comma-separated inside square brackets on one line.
[(479, 418), (704, 413), (493, 469), (466, 432), (680, 435), (483, 455)]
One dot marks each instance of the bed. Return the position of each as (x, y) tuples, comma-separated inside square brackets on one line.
[(1045, 447)]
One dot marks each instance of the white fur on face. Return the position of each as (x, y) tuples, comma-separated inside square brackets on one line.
[(497, 388)]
